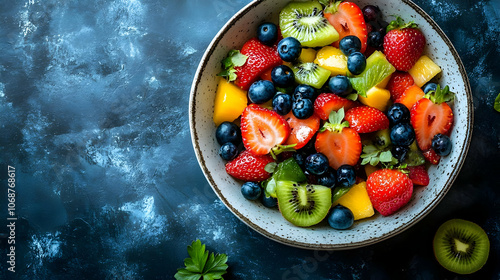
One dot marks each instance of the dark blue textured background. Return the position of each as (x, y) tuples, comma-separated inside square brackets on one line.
[(94, 117)]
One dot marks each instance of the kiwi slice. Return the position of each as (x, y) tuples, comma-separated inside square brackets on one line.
[(310, 73), (303, 204), (288, 170), (461, 246), (305, 22), (377, 69)]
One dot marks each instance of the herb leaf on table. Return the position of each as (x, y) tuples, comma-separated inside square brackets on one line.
[(201, 263)]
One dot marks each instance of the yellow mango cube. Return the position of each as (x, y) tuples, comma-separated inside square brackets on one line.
[(307, 55), (424, 70), (333, 59), (230, 101), (357, 200), (376, 97)]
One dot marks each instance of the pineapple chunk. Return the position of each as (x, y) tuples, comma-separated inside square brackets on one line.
[(357, 200), (332, 59), (424, 70), (376, 97), (307, 55), (230, 101)]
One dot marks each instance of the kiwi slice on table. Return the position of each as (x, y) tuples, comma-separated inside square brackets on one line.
[(303, 204), (305, 22), (310, 73), (461, 246)]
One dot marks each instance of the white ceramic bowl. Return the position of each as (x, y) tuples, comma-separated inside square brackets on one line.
[(269, 222)]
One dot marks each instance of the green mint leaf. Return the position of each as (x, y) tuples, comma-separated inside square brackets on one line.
[(496, 105), (270, 167), (184, 274), (198, 257), (386, 156), (202, 264)]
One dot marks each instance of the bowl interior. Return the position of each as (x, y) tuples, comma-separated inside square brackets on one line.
[(269, 222)]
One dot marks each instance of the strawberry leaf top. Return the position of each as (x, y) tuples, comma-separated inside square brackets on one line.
[(335, 121), (440, 95), (333, 7), (399, 23), (234, 59)]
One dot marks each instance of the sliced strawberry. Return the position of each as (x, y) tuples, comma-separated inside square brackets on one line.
[(325, 103), (418, 175), (249, 167), (262, 129), (338, 142), (431, 156), (404, 44), (410, 96), (302, 130), (431, 116), (347, 18), (260, 59), (365, 119), (389, 190), (398, 83)]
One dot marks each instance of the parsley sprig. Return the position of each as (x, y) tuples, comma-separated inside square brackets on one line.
[(201, 263)]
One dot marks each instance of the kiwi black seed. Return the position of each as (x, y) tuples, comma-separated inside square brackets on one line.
[(461, 246), (303, 204), (305, 22)]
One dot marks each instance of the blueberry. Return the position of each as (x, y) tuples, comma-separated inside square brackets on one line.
[(304, 91), (375, 39), (402, 134), (228, 151), (350, 44), (441, 144), (302, 108), (251, 190), (316, 164), (340, 217), (356, 63), (289, 49), (371, 13), (261, 91), (400, 152), (267, 33), (429, 86), (268, 201), (300, 158), (346, 176), (340, 85), (282, 76), (228, 132), (328, 179), (282, 103), (398, 113)]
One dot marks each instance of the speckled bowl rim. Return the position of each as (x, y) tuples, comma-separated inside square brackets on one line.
[(315, 246)]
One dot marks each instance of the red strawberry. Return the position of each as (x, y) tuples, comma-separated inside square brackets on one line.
[(365, 119), (249, 167), (338, 142), (325, 103), (347, 18), (262, 129), (398, 83), (404, 44), (431, 156), (418, 175), (389, 190), (432, 116), (302, 130), (260, 58)]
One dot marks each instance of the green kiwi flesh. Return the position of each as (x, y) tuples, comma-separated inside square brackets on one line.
[(305, 22), (303, 204), (461, 246), (310, 73)]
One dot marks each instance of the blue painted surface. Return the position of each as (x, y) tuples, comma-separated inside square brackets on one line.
[(94, 117)]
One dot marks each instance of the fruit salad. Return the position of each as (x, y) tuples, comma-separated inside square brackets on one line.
[(332, 114)]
